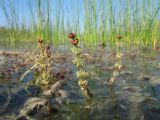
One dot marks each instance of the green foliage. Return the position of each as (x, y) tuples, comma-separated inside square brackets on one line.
[(96, 21)]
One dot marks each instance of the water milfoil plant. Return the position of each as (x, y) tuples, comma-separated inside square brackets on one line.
[(118, 63), (42, 65), (50, 88), (81, 74)]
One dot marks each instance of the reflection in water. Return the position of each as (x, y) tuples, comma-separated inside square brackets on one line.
[(114, 103)]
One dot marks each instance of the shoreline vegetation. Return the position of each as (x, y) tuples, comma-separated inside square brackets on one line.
[(96, 22)]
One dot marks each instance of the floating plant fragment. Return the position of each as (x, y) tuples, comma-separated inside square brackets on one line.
[(62, 97), (55, 87), (56, 91), (32, 106)]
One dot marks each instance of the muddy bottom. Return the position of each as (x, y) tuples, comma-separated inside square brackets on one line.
[(136, 95)]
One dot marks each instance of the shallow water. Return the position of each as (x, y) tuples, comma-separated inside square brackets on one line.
[(136, 95)]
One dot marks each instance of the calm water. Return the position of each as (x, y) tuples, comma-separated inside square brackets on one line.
[(136, 95)]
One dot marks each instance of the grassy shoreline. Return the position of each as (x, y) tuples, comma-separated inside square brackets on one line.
[(95, 22)]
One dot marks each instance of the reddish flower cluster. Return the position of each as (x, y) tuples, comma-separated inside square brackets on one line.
[(73, 41), (119, 37), (40, 41), (72, 35), (48, 51)]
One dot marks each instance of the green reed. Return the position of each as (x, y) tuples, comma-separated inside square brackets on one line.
[(96, 21)]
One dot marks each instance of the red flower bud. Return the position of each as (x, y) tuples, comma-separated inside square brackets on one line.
[(40, 41), (48, 48), (48, 51), (72, 35), (75, 42), (119, 37)]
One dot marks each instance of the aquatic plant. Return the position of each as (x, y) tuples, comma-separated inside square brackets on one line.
[(118, 63), (81, 74), (43, 64), (44, 101), (49, 88), (33, 104), (57, 91)]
